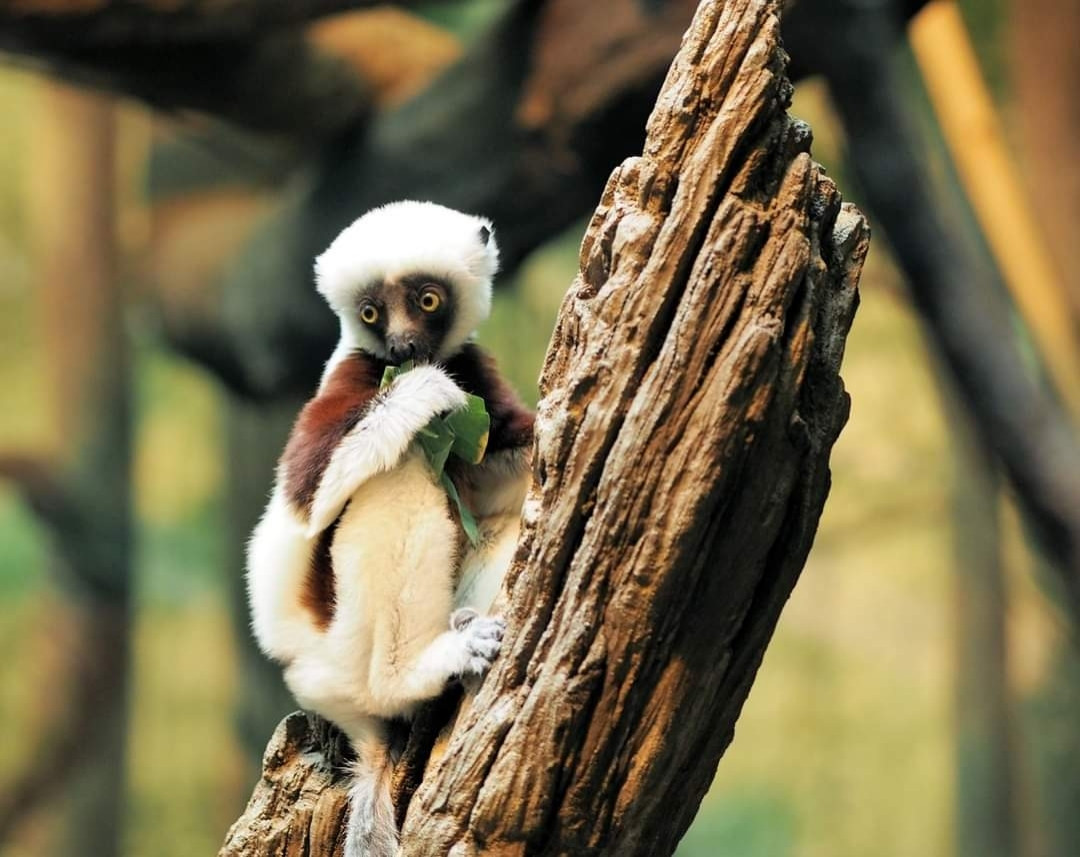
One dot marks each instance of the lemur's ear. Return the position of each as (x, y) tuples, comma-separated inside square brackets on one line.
[(485, 234)]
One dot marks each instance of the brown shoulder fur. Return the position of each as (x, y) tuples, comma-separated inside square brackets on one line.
[(322, 424)]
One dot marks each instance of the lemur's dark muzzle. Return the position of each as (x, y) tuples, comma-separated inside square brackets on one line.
[(401, 348)]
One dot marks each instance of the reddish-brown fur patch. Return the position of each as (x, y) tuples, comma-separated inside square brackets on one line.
[(318, 430), (319, 596), (322, 424)]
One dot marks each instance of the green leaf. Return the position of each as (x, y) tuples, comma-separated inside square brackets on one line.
[(437, 440), (390, 373), (470, 426), (468, 522)]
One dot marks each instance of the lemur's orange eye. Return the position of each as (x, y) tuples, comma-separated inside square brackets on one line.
[(368, 314), (430, 300)]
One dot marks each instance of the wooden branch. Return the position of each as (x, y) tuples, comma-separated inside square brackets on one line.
[(691, 397), (298, 808), (324, 96), (975, 135), (75, 24), (246, 62)]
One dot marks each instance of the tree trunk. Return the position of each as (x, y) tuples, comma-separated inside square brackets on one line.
[(691, 397), (81, 486), (987, 809)]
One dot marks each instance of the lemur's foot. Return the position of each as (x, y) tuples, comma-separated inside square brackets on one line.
[(481, 637)]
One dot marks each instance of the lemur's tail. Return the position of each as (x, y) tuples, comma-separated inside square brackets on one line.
[(372, 829)]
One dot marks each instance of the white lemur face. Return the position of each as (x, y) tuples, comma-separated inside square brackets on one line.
[(410, 280)]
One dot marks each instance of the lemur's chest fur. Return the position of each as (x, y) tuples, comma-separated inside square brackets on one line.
[(347, 396)]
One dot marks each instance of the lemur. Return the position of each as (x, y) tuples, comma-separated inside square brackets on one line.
[(360, 581)]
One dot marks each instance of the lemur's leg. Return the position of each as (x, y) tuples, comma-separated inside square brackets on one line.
[(465, 650)]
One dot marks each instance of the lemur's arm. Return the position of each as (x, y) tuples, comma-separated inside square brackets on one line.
[(351, 430)]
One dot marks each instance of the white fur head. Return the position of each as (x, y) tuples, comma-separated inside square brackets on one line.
[(407, 241)]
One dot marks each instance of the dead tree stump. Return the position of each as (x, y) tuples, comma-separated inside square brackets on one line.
[(691, 397)]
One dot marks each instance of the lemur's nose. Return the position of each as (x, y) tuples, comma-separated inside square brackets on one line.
[(402, 351)]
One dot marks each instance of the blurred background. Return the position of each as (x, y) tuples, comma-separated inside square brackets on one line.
[(158, 331)]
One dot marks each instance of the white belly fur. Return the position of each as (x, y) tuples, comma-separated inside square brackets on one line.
[(394, 557)]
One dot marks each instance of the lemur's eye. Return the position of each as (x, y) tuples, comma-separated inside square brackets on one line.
[(368, 314), (430, 300)]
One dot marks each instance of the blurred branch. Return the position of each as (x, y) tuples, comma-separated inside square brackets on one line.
[(1044, 66), (240, 60), (237, 80), (523, 128), (250, 63), (976, 140), (63, 25), (962, 301)]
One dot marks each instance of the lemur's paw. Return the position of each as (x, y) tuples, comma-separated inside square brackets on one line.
[(432, 388), (481, 638)]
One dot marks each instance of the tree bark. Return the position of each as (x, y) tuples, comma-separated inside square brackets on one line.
[(691, 397)]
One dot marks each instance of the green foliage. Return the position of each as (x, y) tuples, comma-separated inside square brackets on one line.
[(181, 560)]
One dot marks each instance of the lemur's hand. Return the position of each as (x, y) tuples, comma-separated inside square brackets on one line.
[(430, 389), (481, 638)]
